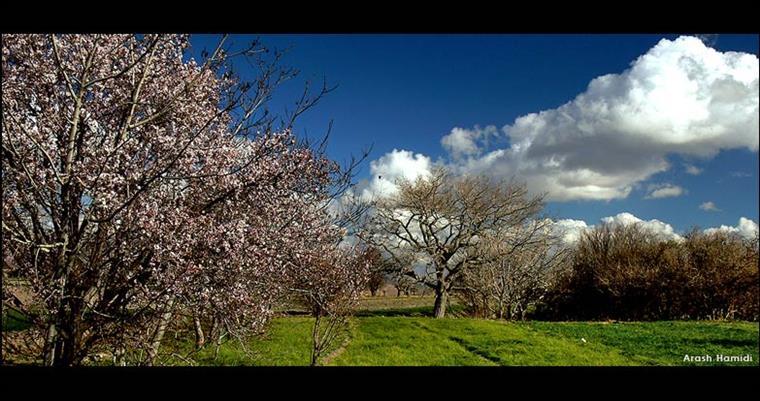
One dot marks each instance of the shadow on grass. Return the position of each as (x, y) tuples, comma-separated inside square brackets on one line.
[(294, 312), (477, 351), (14, 320), (724, 342), (417, 311)]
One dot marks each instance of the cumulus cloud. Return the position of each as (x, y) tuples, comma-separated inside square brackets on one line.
[(664, 191), (746, 228), (681, 97), (709, 206), (692, 169), (662, 230), (395, 165), (468, 142), (570, 230)]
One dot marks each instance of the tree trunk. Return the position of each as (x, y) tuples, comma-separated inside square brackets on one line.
[(200, 340), (315, 341), (66, 348), (48, 353), (159, 333), (69, 336), (217, 333), (441, 299)]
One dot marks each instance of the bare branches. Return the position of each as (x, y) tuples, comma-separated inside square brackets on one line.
[(515, 270), (440, 221), (307, 101)]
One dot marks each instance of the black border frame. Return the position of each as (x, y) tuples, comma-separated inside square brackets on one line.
[(396, 383)]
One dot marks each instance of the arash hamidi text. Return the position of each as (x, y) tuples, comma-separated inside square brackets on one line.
[(717, 358)]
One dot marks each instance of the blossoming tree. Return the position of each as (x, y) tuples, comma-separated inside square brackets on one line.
[(138, 184)]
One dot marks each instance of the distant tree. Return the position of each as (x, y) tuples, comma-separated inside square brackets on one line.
[(377, 269), (437, 221), (403, 283), (376, 280)]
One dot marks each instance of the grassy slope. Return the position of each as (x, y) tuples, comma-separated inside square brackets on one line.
[(422, 341), (398, 331)]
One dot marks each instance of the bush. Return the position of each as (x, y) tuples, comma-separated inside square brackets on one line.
[(624, 272)]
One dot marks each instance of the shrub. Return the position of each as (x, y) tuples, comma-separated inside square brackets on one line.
[(625, 272)]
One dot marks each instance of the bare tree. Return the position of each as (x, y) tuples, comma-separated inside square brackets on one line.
[(435, 223), (516, 269)]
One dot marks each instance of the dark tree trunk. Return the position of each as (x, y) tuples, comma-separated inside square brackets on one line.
[(48, 353), (69, 339), (66, 348), (315, 341), (441, 299)]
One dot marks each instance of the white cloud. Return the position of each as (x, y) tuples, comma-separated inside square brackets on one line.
[(746, 228), (393, 166), (681, 97), (709, 206), (570, 230), (692, 169), (664, 191), (467, 142), (662, 230)]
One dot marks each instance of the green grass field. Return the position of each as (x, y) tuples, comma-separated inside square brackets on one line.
[(422, 341), (400, 332)]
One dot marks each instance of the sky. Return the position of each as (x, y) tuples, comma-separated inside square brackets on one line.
[(662, 128)]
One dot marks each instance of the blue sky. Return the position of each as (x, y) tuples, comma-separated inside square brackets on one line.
[(406, 92)]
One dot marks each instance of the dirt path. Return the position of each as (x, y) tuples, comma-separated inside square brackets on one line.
[(342, 347)]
